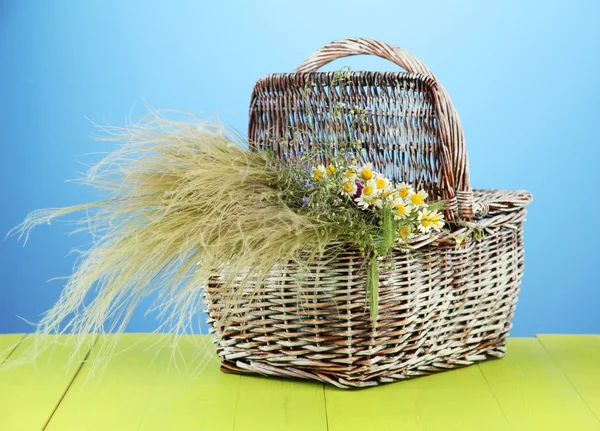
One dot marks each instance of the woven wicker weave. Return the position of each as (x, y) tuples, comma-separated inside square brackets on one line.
[(447, 304)]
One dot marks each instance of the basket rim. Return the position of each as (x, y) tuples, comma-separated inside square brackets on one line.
[(279, 78)]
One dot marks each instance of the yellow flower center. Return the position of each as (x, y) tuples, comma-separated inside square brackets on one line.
[(348, 186), (366, 174), (400, 209), (330, 170), (349, 174), (367, 191), (416, 199), (318, 175), (380, 184), (403, 193), (425, 221), (404, 232), (386, 193)]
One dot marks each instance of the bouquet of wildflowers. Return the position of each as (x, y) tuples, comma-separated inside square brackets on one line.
[(373, 213), (334, 181), (404, 209)]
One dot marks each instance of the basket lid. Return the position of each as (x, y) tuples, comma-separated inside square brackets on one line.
[(409, 128)]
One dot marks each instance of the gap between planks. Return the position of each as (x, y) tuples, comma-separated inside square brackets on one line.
[(12, 349), (62, 397)]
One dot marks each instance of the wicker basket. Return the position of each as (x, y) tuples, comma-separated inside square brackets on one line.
[(447, 304)]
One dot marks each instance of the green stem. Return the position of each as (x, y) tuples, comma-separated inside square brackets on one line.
[(388, 231), (373, 287)]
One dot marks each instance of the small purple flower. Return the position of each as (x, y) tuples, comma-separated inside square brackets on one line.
[(359, 188), (304, 202), (308, 184), (348, 155)]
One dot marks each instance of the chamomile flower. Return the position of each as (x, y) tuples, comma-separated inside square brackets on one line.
[(405, 233), (418, 198), (368, 195), (437, 220), (401, 209), (349, 187), (319, 173), (387, 197), (425, 221), (381, 182), (365, 172), (350, 173), (330, 170), (404, 190), (377, 202)]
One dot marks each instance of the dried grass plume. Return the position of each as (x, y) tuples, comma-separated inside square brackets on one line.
[(183, 201)]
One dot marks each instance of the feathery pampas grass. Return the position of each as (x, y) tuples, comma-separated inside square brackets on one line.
[(184, 201)]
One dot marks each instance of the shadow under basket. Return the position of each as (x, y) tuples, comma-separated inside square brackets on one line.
[(446, 304)]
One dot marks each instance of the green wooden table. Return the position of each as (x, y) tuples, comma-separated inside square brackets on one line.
[(551, 382)]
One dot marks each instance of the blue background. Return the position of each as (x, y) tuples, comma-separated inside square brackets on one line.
[(522, 75)]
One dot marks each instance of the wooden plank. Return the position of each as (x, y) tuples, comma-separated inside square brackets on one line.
[(387, 407), (32, 390), (8, 343), (184, 400), (578, 357), (533, 392), (459, 399), (140, 389), (271, 404)]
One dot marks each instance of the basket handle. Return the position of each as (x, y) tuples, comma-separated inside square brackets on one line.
[(454, 163)]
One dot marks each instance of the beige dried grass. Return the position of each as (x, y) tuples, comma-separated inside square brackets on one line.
[(184, 201)]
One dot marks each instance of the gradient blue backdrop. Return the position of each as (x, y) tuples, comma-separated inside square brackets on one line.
[(522, 74)]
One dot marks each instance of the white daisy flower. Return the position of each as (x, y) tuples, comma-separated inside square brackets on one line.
[(418, 198), (349, 187), (425, 223), (350, 173), (402, 209), (365, 173), (368, 195), (377, 202), (388, 197), (319, 173), (404, 190), (405, 233), (437, 220), (381, 182)]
